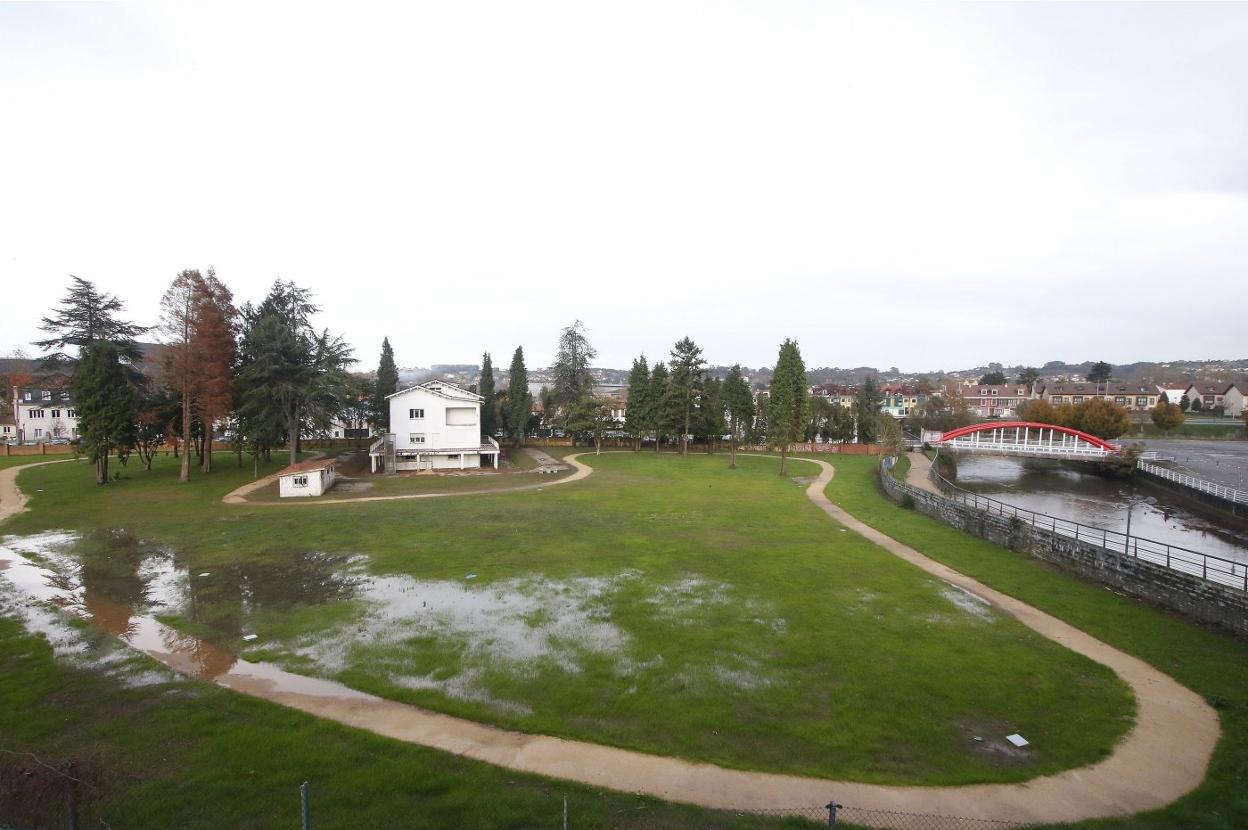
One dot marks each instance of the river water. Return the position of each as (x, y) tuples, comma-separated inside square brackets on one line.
[(1064, 490)]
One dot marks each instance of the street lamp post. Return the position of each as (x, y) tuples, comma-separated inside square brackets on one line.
[(1130, 508)]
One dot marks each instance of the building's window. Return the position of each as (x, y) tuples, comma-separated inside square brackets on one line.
[(1057, 399), (70, 413), (36, 413), (983, 391), (1208, 399), (416, 414), (56, 413), (417, 438), (6, 430), (38, 433), (1141, 402), (47, 395), (300, 481), (994, 391), (26, 396), (1120, 400)]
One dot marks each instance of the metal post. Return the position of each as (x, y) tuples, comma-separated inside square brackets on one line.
[(71, 798), (832, 808), (565, 813), (305, 812)]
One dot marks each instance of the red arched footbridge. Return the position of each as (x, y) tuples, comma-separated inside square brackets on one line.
[(1027, 438)]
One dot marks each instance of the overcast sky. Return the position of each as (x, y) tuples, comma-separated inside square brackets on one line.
[(926, 186)]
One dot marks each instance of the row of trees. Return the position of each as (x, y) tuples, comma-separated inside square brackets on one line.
[(261, 373)]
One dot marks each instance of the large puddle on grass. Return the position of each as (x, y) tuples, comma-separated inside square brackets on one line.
[(454, 637)]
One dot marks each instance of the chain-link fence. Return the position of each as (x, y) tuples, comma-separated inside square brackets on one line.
[(37, 795)]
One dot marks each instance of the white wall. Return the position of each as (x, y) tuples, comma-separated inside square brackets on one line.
[(318, 482), (437, 432)]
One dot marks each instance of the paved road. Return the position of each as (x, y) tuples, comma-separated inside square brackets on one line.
[(1224, 462)]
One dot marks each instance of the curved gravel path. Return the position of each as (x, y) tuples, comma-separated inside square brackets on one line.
[(1163, 757), (238, 496)]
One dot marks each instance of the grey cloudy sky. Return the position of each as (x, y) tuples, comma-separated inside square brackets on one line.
[(915, 185)]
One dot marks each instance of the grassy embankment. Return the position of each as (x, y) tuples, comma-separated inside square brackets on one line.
[(1213, 664)]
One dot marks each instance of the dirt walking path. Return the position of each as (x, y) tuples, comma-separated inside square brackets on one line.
[(12, 499), (237, 496), (1164, 756)]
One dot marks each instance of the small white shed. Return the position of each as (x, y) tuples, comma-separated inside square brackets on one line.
[(307, 478)]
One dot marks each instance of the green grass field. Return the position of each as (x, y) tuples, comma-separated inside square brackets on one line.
[(1212, 664), (663, 604)]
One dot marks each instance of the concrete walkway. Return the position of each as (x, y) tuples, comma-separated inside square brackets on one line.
[(1163, 757), (917, 475)]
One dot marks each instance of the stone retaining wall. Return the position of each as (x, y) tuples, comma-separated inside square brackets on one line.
[(1206, 601)]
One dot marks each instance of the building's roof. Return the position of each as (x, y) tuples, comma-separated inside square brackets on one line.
[(442, 388), (308, 466), (1211, 388), (1003, 390), (59, 396)]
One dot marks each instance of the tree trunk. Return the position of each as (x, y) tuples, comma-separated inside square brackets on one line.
[(101, 468), (684, 436), (185, 474), (206, 465), (784, 454), (294, 434)]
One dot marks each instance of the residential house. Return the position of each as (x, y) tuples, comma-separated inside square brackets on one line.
[(988, 400), (1233, 400), (43, 415), (1173, 395), (900, 400), (1213, 398), (434, 425), (1132, 398)]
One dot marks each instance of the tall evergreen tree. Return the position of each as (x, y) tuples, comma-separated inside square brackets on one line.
[(573, 380), (387, 384), (291, 375), (519, 401), (739, 401), (489, 415), (636, 413), (88, 316), (710, 412), (105, 402), (790, 393), (866, 406), (663, 416), (686, 369)]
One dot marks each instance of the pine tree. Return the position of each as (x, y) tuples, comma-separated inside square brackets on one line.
[(790, 403), (387, 384), (573, 380), (686, 369), (87, 316), (740, 403), (485, 388), (635, 416), (663, 416), (711, 424), (105, 403), (866, 406), (519, 401)]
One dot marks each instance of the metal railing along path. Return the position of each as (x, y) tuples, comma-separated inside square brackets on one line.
[(1207, 566), (1212, 488)]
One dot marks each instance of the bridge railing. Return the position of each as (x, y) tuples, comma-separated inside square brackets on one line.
[(1204, 565), (1212, 488)]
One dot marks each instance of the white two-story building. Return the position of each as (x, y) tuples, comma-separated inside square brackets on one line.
[(434, 426)]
